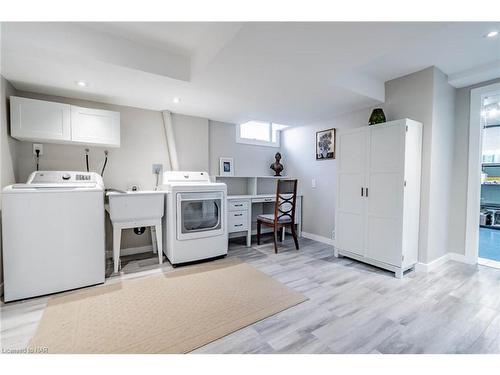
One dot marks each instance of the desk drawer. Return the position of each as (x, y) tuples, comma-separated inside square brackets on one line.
[(263, 200), (238, 221), (237, 205)]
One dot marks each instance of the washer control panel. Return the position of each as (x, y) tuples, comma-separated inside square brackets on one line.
[(61, 177), (83, 177)]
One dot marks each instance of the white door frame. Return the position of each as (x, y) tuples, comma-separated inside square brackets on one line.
[(474, 171)]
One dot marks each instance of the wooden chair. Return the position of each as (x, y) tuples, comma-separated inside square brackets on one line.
[(284, 212)]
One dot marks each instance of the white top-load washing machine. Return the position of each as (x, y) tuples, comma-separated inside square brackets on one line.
[(195, 220), (53, 233)]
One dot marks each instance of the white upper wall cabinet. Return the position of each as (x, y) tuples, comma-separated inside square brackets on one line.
[(95, 126), (43, 121), (39, 121)]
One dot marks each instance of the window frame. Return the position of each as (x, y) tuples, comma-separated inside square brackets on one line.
[(258, 142)]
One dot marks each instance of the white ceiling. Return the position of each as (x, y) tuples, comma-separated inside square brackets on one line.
[(293, 73)]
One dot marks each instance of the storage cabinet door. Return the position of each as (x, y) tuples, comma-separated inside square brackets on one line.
[(95, 126), (38, 120), (350, 218), (385, 193)]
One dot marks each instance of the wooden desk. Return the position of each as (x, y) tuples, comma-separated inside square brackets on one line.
[(242, 214)]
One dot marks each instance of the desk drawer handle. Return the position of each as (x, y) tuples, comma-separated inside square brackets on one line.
[(238, 225), (238, 214), (238, 205), (268, 199)]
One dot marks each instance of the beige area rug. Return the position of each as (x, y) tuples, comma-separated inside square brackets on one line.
[(176, 312)]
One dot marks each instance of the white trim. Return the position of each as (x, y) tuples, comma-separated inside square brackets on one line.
[(463, 258), (131, 251), (474, 174), (488, 263), (428, 267), (170, 140), (316, 237)]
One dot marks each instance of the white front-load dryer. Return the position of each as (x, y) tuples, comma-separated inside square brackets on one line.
[(53, 233), (195, 221)]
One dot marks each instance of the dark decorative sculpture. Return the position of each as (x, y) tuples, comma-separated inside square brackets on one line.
[(377, 117), (277, 167)]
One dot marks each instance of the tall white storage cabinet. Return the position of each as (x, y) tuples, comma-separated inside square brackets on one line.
[(378, 194)]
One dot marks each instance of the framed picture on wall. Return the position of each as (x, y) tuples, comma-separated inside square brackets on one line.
[(226, 167), (325, 144)]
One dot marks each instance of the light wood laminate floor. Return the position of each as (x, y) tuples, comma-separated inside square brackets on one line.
[(352, 307)]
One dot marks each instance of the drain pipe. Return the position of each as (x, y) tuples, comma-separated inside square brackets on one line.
[(169, 134)]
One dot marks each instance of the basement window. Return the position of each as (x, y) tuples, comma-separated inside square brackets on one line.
[(259, 133)]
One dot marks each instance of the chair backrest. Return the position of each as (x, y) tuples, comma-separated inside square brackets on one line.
[(286, 196)]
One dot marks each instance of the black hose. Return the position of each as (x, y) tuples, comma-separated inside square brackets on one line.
[(37, 158), (87, 161), (104, 166), (105, 162)]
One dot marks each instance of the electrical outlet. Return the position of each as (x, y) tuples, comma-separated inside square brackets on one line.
[(157, 168), (313, 183), (37, 146), (133, 187), (333, 234)]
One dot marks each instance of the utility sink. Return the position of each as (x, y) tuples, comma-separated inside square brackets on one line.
[(136, 209), (135, 206)]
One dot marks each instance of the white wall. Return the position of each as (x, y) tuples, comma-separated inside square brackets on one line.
[(443, 132), (411, 96), (192, 139), (8, 152), (249, 160), (427, 97), (8, 145), (458, 209), (299, 157)]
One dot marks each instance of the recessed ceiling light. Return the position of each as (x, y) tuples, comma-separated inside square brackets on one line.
[(492, 34), (176, 100), (82, 83)]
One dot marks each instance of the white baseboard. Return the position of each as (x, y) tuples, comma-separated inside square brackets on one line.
[(131, 251), (428, 267), (462, 258), (318, 238)]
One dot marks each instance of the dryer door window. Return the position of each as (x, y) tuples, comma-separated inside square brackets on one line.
[(200, 214)]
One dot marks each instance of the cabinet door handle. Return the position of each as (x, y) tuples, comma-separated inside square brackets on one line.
[(362, 191), (238, 225)]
